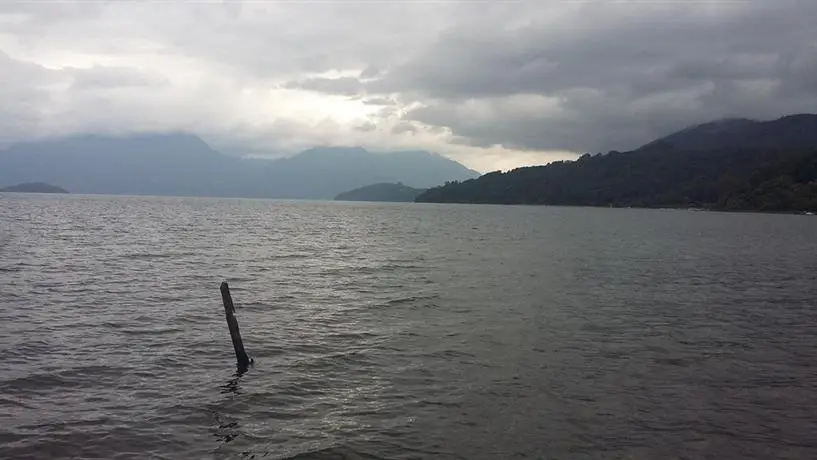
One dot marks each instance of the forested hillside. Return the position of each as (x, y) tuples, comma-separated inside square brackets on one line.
[(762, 180), (732, 164)]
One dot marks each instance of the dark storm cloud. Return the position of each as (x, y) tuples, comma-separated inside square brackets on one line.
[(622, 74), (273, 38), (578, 76), (607, 45)]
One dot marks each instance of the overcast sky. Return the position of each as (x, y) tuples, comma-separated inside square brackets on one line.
[(491, 84)]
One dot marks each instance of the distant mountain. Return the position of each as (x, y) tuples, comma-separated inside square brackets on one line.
[(326, 171), (381, 192), (790, 132), (183, 164), (34, 187), (157, 164), (687, 169)]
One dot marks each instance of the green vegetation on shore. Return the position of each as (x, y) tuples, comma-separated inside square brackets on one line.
[(723, 180), (381, 192), (709, 166)]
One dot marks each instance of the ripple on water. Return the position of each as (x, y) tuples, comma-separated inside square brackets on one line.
[(403, 331)]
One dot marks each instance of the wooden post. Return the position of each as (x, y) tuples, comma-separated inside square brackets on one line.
[(229, 310)]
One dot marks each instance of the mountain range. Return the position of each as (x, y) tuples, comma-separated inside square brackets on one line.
[(184, 165), (732, 164)]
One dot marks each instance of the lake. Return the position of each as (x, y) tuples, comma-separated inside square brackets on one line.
[(397, 331)]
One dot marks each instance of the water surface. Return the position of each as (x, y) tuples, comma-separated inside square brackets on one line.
[(403, 331)]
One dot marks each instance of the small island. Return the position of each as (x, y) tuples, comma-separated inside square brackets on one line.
[(34, 187), (381, 192)]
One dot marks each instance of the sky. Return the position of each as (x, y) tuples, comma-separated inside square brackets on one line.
[(492, 84)]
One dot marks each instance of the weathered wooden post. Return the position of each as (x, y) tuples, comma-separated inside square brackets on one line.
[(229, 310)]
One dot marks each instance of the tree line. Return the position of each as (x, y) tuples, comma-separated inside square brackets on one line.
[(726, 179)]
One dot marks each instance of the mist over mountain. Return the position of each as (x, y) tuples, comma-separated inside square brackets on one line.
[(324, 172), (183, 164)]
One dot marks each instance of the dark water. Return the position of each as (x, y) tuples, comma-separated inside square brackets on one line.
[(404, 331)]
